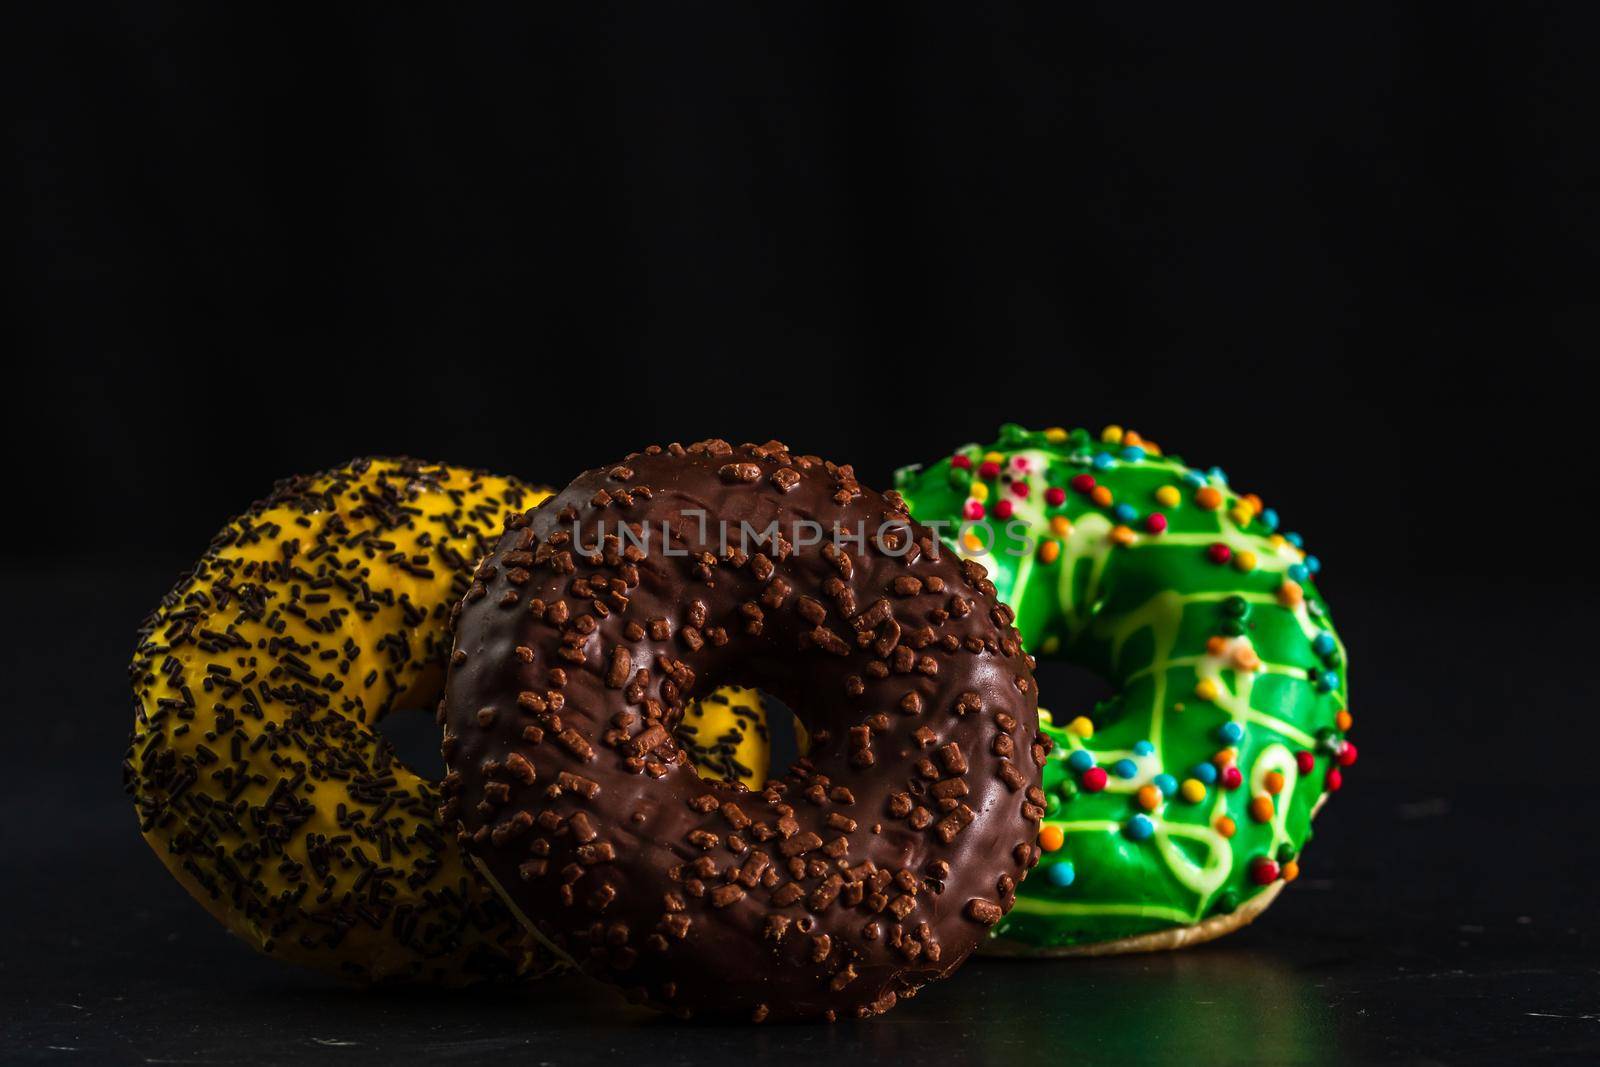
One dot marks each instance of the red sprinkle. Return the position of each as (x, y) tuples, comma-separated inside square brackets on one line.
[(1003, 509), (1094, 779), (974, 510), (962, 462), (1304, 761), (1156, 523), (1335, 780), (1019, 488), (990, 469), (1082, 483), (1347, 754), (1263, 871), (1219, 553), (1055, 496), (1231, 778)]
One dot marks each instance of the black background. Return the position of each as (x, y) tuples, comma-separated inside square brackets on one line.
[(1347, 253)]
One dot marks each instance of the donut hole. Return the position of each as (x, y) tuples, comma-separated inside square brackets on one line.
[(1069, 690), (414, 736), (781, 729), (775, 723)]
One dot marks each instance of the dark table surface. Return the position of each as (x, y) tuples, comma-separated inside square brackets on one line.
[(1445, 914)]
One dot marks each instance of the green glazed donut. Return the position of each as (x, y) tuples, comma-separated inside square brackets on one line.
[(1177, 808)]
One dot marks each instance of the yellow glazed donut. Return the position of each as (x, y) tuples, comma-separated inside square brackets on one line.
[(254, 765), (726, 736)]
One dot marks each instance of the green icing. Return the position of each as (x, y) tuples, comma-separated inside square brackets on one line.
[(1189, 645)]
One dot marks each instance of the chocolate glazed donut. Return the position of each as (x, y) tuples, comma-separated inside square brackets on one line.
[(874, 865)]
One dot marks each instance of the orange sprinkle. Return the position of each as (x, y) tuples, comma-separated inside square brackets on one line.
[(1273, 782), (1291, 871), (1209, 497), (1261, 808), (1245, 658), (1101, 496), (1149, 797), (1225, 826), (1344, 720), (1122, 535), (1132, 437), (1225, 757), (1051, 838), (1060, 526), (1290, 594), (1254, 501), (1216, 645), (1049, 551)]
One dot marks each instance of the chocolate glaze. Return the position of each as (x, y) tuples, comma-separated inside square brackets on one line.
[(873, 865)]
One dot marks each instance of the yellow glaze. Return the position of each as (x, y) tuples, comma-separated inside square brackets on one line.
[(726, 736), (254, 767)]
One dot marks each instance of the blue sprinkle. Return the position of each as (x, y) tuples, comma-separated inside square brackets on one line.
[(1124, 768), (1166, 783), (1133, 453), (1143, 748), (1062, 874), (1313, 564), (1139, 828), (1125, 512), (1194, 478), (1102, 461), (1269, 519), (1230, 733), (1295, 539), (1218, 476), (1206, 772), (1324, 644), (1080, 760), (1327, 681), (1298, 572)]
